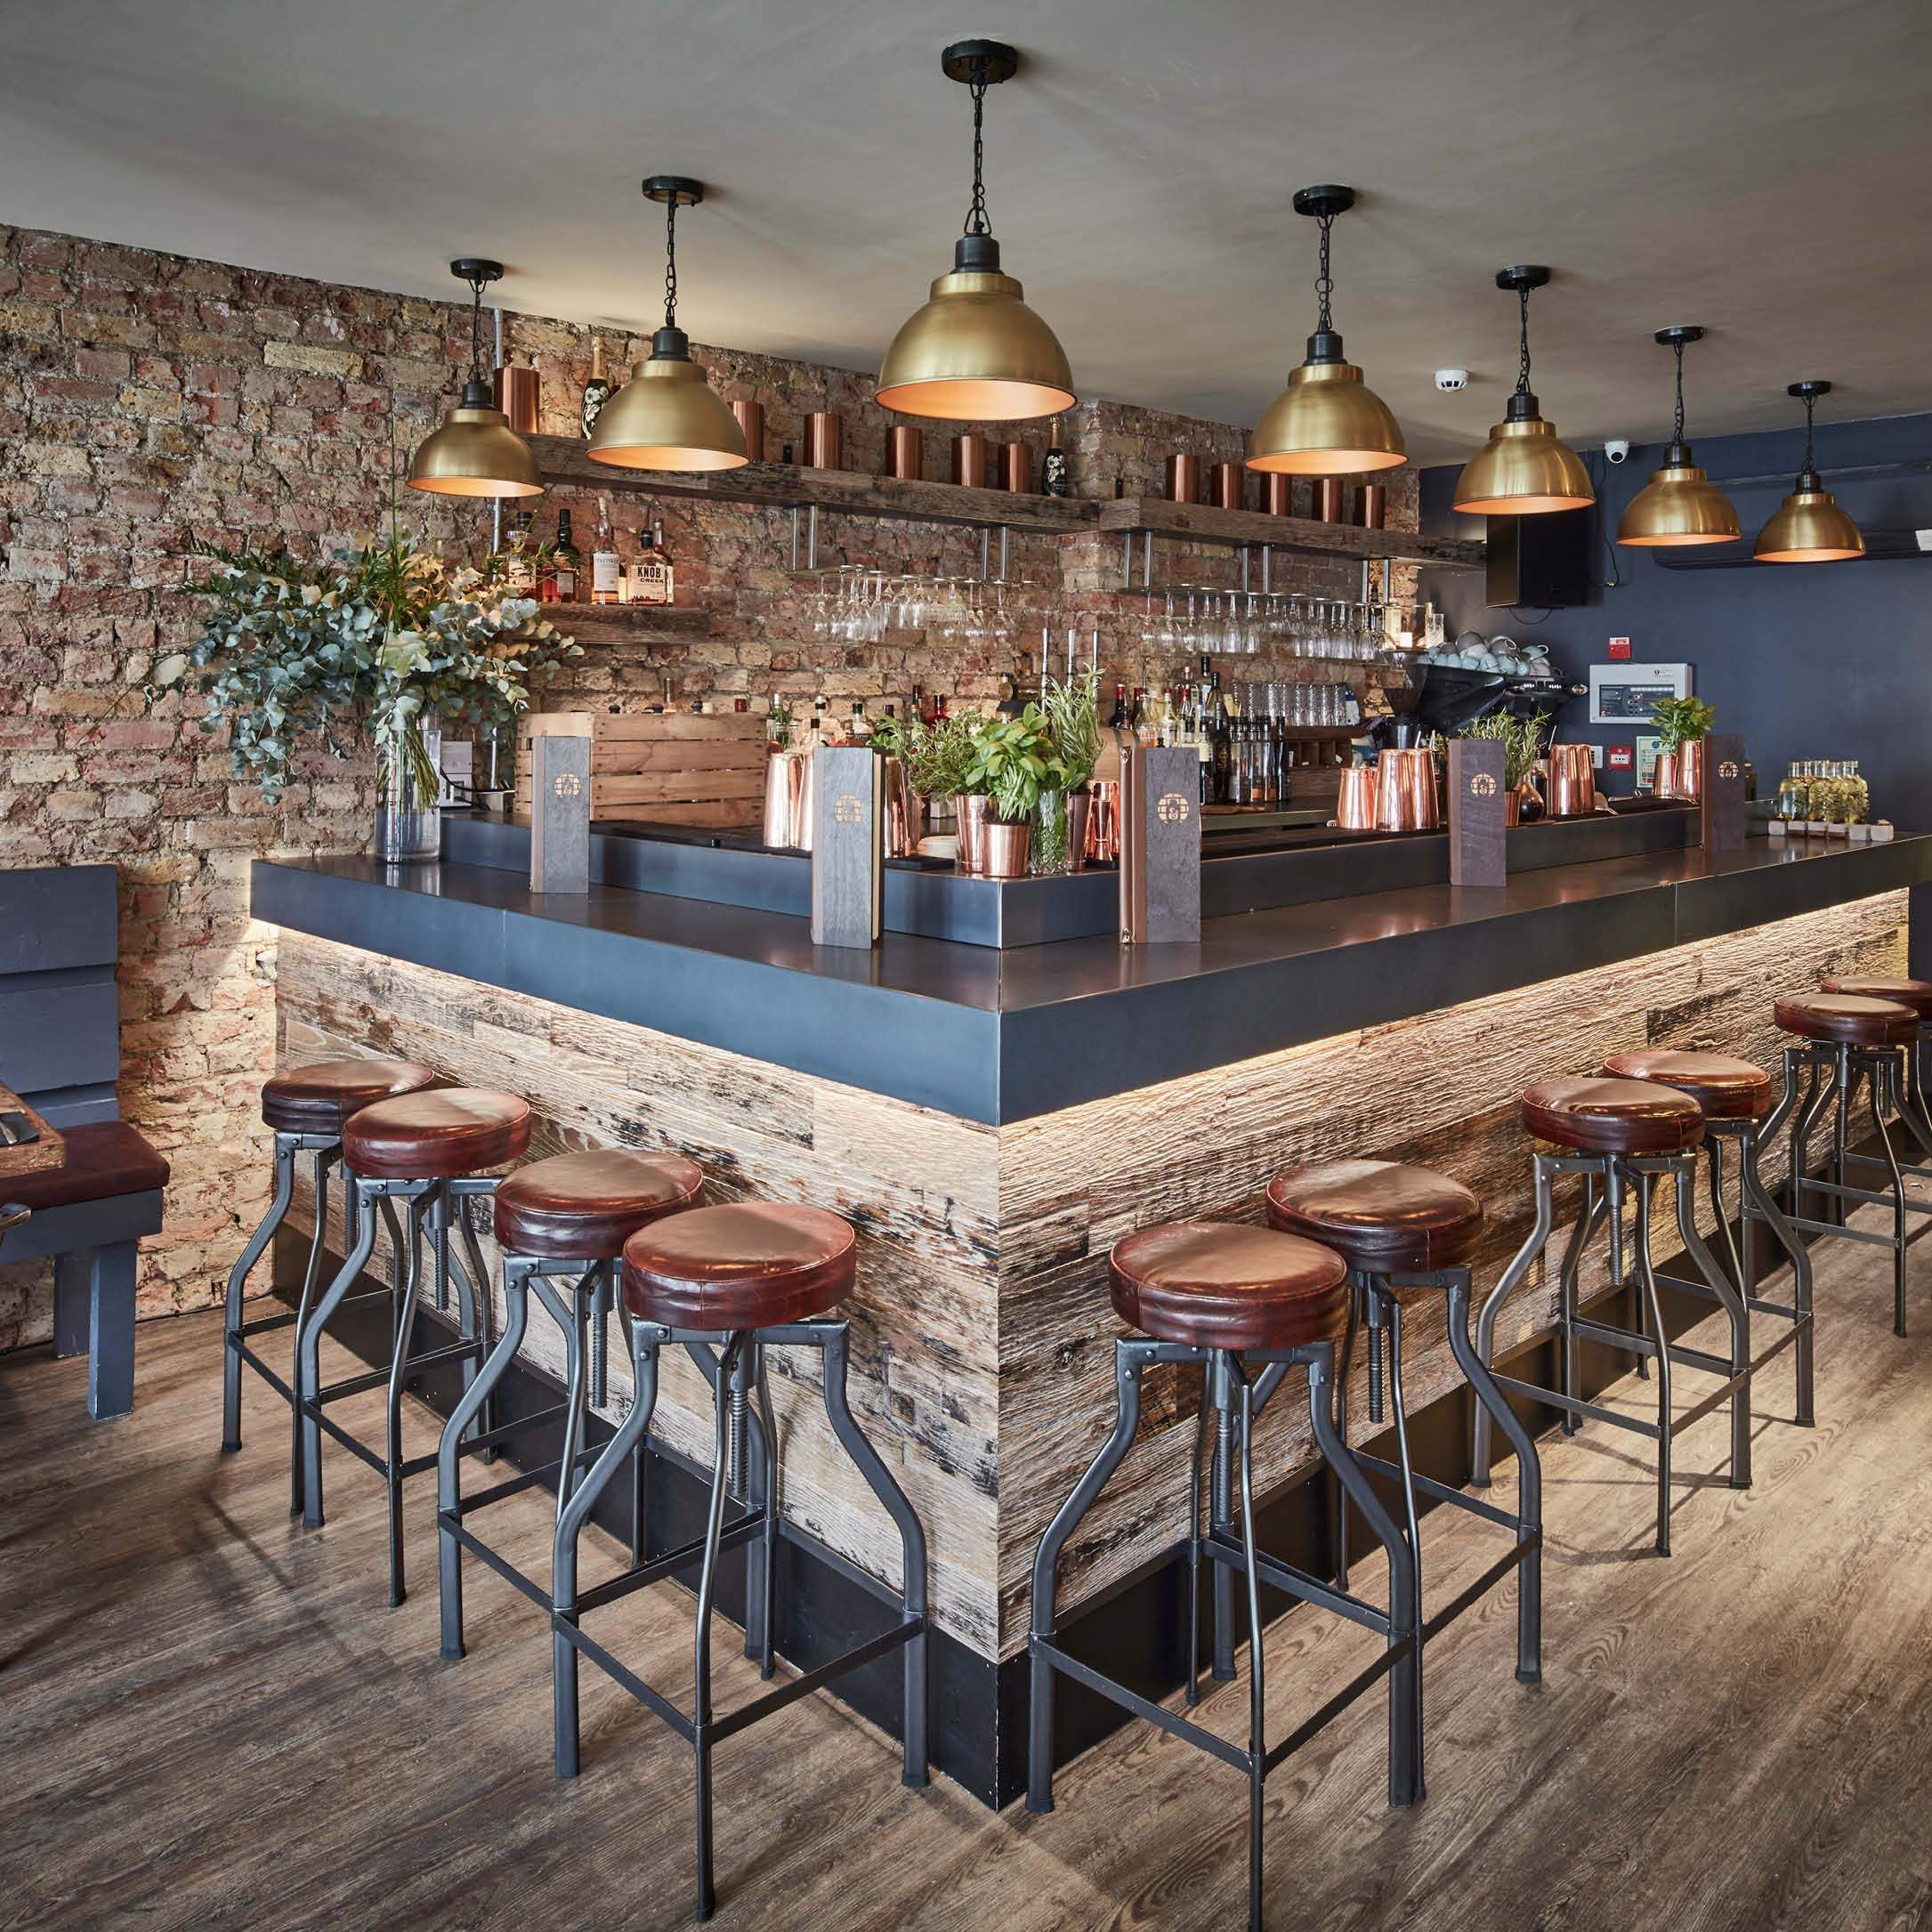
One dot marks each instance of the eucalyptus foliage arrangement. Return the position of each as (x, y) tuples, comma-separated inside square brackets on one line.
[(392, 636)]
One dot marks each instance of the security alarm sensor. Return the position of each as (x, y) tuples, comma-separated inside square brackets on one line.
[(1450, 379), (1616, 450)]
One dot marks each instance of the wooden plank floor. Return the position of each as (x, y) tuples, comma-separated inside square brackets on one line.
[(208, 1718)]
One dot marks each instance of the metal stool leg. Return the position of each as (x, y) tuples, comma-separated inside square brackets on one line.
[(1408, 1512), (1529, 1479), (237, 1284), (1732, 1304), (1891, 1154), (1221, 1520), (1758, 1203), (758, 1589), (311, 1276), (731, 1355), (1512, 1277), (308, 1347), (1192, 1632), (1343, 1372), (1256, 1696), (1130, 1358), (1654, 1312), (405, 1301), (450, 1450), (570, 1522)]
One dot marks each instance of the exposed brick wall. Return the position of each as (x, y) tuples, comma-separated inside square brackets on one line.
[(147, 400)]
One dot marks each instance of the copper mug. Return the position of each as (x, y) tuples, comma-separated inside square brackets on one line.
[(1406, 798), (1374, 506), (517, 390), (1103, 839), (969, 812), (1224, 485), (1017, 468), (905, 452), (1355, 806), (1278, 493), (1572, 782)]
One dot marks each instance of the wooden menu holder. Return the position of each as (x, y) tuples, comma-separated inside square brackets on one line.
[(1478, 854), (1159, 844), (847, 851), (560, 801), (1722, 803)]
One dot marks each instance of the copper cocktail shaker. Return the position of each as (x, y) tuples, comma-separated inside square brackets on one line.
[(1572, 782), (1355, 805), (1225, 486), (1184, 477), (905, 453), (969, 460), (1406, 798), (1103, 841), (825, 441)]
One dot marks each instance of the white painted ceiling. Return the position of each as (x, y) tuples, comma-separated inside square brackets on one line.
[(1765, 169)]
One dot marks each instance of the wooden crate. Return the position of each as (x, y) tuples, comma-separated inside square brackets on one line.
[(675, 767)]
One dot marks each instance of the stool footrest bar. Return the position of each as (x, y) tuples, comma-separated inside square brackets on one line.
[(452, 1525), (667, 1565), (1482, 1586), (1220, 1546), (734, 1721), (1365, 1680), (1629, 1341), (1427, 1485), (1158, 1714), (1574, 1405), (652, 1700)]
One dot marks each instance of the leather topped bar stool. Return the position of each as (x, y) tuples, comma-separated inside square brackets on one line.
[(562, 1225), (1233, 1299), (1623, 1136), (1405, 1230), (726, 1283), (1848, 1037), (306, 1107), (431, 1152), (1736, 1095)]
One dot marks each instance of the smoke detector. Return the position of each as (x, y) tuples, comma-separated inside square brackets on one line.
[(1452, 379)]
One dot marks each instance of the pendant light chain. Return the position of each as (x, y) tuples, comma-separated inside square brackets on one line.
[(1676, 433), (670, 263), (1324, 283), (1811, 403), (977, 222), (1523, 350), (477, 284)]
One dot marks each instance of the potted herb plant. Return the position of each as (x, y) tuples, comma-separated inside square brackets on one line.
[(1522, 740), (1014, 763), (1682, 724), (1071, 712), (905, 811), (941, 758)]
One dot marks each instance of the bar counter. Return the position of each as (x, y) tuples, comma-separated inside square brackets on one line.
[(992, 1117)]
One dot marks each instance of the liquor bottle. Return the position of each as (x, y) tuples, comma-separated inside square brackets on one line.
[(1053, 466), (777, 722), (652, 575), (517, 563), (1224, 746), (858, 731), (563, 568), (1120, 721), (597, 390), (603, 557), (1137, 716), (818, 736)]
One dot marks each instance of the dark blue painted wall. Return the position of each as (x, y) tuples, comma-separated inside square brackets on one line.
[(1807, 660), (1828, 660)]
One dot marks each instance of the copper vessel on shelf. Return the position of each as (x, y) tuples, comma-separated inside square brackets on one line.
[(1184, 477), (1572, 782), (1102, 843), (1327, 499), (969, 460), (787, 800), (1405, 798), (1354, 803), (1374, 506), (1017, 468), (1278, 493), (904, 817), (1680, 773), (825, 441), (750, 414), (905, 453), (1224, 485), (969, 810), (517, 390), (1004, 848)]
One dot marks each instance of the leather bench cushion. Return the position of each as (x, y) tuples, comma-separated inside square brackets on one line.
[(105, 1158)]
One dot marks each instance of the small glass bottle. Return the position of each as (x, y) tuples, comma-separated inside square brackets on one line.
[(603, 557)]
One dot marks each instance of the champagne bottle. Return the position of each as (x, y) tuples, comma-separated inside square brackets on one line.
[(1053, 466), (603, 557), (597, 390)]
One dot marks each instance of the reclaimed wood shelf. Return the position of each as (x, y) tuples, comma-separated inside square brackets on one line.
[(1202, 523), (627, 622), (785, 486)]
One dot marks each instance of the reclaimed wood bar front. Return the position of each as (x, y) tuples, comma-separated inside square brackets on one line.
[(992, 1122)]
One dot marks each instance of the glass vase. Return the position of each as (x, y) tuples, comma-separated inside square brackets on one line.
[(409, 826), (1053, 847)]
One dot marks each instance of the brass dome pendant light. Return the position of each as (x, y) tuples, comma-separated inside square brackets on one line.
[(1679, 504), (975, 352), (1809, 527), (475, 453), (1523, 470), (1328, 421), (668, 416)]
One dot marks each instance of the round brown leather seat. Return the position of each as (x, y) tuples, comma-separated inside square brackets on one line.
[(1597, 1116), (436, 1135), (1849, 1019), (589, 1204), (747, 1265), (1215, 1284), (317, 1099), (1917, 994), (1725, 1086), (1381, 1216)]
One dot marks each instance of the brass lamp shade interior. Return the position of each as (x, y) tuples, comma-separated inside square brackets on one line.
[(1678, 505), (1809, 528), (475, 453), (975, 352), (668, 418), (1328, 421), (1523, 470)]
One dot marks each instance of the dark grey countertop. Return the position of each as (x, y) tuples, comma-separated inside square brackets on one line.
[(996, 1036)]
